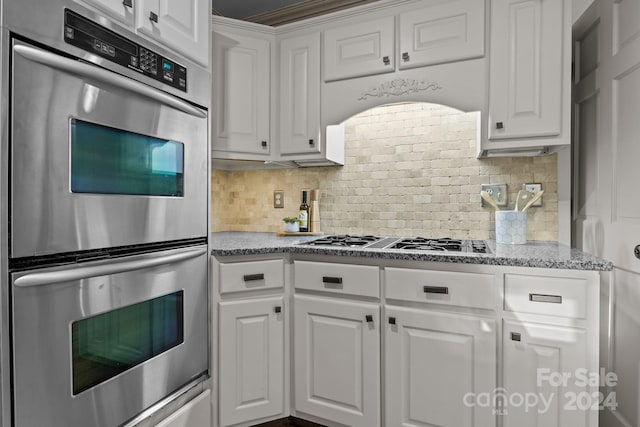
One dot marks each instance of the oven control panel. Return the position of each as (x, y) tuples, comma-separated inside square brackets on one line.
[(89, 36)]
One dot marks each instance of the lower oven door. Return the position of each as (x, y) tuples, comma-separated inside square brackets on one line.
[(100, 160), (97, 343)]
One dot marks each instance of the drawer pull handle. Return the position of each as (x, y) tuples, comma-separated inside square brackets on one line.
[(405, 56), (128, 3), (386, 60), (278, 309), (153, 17), (436, 290), (332, 280), (555, 299), (515, 336), (253, 277), (392, 320), (369, 318)]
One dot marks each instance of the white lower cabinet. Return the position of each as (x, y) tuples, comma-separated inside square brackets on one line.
[(435, 365), (337, 360), (251, 371), (536, 357), (194, 413)]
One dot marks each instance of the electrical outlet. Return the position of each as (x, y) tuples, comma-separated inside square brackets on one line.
[(534, 188), (498, 192), (278, 199)]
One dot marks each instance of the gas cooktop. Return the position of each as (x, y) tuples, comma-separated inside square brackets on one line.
[(444, 244)]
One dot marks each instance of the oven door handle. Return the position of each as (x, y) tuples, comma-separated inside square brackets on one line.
[(93, 72), (78, 271)]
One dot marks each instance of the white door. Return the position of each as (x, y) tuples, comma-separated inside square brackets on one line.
[(361, 49), (533, 355), (608, 155), (241, 93), (443, 32), (525, 94), (181, 25), (337, 360), (432, 361), (251, 370), (121, 10), (300, 94)]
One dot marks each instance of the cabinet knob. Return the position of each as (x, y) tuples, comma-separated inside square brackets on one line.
[(264, 144), (278, 309), (386, 60), (153, 17), (515, 336), (392, 320), (128, 3), (637, 251), (499, 125), (311, 142), (369, 318), (405, 56)]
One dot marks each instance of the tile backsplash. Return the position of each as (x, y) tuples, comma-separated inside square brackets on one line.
[(410, 170)]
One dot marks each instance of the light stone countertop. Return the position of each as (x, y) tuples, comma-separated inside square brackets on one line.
[(532, 254)]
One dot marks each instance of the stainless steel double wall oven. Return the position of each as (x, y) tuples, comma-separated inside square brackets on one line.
[(104, 190)]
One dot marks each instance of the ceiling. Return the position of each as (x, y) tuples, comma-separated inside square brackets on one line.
[(279, 12), (242, 9)]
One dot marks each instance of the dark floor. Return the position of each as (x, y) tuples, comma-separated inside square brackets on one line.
[(289, 422)]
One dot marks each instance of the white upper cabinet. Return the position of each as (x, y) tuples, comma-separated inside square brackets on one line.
[(300, 95), (359, 49), (527, 75), (445, 32), (241, 93), (181, 25), (121, 10)]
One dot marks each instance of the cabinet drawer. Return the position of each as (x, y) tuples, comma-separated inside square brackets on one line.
[(247, 276), (441, 287), (340, 278), (554, 296)]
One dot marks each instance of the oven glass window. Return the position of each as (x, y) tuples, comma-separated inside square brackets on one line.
[(108, 344), (105, 160)]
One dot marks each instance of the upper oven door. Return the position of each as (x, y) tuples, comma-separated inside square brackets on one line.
[(99, 160)]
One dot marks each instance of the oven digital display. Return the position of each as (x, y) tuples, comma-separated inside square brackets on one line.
[(106, 160), (108, 344)]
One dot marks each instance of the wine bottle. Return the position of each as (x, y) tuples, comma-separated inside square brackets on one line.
[(303, 215)]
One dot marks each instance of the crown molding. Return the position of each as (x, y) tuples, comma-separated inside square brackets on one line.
[(304, 10)]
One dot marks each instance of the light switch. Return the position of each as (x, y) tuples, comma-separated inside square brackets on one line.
[(534, 188)]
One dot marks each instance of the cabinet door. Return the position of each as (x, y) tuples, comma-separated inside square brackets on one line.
[(527, 38), (434, 364), (117, 9), (361, 49), (534, 357), (251, 371), (241, 93), (444, 32), (300, 95), (181, 25), (337, 360)]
